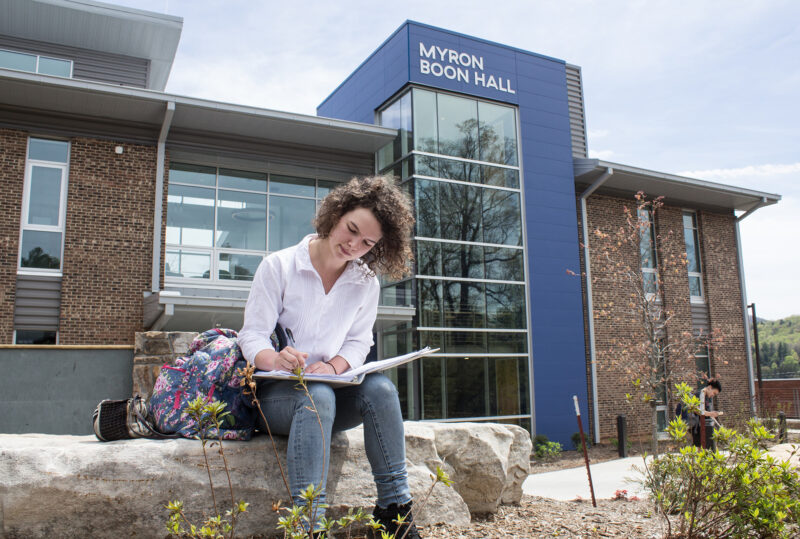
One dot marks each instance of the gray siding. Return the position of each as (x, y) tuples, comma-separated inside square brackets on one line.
[(38, 302), (87, 64), (577, 113)]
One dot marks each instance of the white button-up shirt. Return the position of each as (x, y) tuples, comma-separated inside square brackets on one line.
[(288, 290)]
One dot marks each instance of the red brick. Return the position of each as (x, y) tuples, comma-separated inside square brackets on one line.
[(13, 145), (108, 241), (721, 282)]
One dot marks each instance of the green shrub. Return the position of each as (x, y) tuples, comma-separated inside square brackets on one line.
[(737, 490), (540, 439), (615, 443), (548, 451), (576, 441)]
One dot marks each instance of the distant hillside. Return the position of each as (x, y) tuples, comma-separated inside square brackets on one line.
[(779, 343)]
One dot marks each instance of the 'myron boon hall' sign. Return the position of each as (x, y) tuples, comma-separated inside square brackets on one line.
[(459, 66)]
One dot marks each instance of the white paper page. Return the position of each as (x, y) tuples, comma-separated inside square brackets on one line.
[(374, 366)]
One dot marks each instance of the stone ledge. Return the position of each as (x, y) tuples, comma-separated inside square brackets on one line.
[(75, 486)]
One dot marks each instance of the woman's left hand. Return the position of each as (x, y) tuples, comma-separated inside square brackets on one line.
[(320, 367)]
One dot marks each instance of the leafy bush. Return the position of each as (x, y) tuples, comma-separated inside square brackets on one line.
[(209, 417), (540, 439), (548, 451), (615, 443), (737, 490), (576, 441)]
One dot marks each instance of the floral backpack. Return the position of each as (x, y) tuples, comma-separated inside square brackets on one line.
[(209, 372)]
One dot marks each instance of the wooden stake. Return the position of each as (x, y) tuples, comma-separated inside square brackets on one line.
[(583, 443)]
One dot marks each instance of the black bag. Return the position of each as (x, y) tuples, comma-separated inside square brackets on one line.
[(692, 420), (123, 419)]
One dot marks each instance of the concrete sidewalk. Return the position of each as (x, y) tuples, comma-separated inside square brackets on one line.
[(607, 477)]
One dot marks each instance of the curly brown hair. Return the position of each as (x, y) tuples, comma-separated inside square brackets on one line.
[(391, 207)]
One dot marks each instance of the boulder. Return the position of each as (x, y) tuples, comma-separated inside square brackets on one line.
[(75, 486), (488, 461)]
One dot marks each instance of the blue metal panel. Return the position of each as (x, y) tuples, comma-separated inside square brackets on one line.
[(450, 61), (372, 83)]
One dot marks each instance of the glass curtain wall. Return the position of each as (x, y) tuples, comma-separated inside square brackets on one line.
[(458, 159), (221, 222)]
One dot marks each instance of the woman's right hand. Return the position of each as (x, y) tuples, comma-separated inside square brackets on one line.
[(287, 360)]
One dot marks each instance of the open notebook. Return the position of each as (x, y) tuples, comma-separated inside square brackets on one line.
[(353, 376)]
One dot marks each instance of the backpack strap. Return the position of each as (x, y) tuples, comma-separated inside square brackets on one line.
[(280, 335), (142, 421)]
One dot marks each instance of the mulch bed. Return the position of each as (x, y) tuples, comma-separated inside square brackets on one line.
[(543, 517)]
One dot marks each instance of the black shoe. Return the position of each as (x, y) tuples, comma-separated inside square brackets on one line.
[(388, 517)]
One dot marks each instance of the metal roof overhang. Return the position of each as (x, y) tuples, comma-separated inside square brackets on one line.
[(98, 109), (53, 105), (676, 190), (98, 26), (168, 311)]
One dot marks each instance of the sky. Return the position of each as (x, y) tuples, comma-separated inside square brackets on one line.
[(702, 88)]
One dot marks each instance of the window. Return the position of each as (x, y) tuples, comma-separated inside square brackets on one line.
[(458, 157), (662, 414), (693, 265), (398, 116), (44, 206), (459, 212), (702, 360), (221, 222), (31, 336), (35, 64), (647, 252), (449, 125)]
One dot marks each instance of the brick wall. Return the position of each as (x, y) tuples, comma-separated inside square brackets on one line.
[(724, 297), (616, 327), (108, 242), (13, 145)]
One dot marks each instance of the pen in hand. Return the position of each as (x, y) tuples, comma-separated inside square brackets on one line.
[(290, 357)]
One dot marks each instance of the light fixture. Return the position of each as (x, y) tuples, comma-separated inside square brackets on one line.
[(118, 150)]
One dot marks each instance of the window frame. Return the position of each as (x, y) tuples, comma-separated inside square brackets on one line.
[(215, 251), (651, 229), (62, 207), (383, 166), (39, 57), (505, 342), (701, 299), (14, 337)]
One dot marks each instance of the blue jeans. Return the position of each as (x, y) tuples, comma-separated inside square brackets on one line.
[(374, 402)]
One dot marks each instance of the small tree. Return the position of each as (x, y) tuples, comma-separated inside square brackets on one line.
[(656, 349)]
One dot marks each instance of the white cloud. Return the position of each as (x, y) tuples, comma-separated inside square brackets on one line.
[(601, 154), (743, 172), (770, 259), (597, 133)]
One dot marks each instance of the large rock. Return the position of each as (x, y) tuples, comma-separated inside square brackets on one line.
[(488, 461), (75, 486)]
